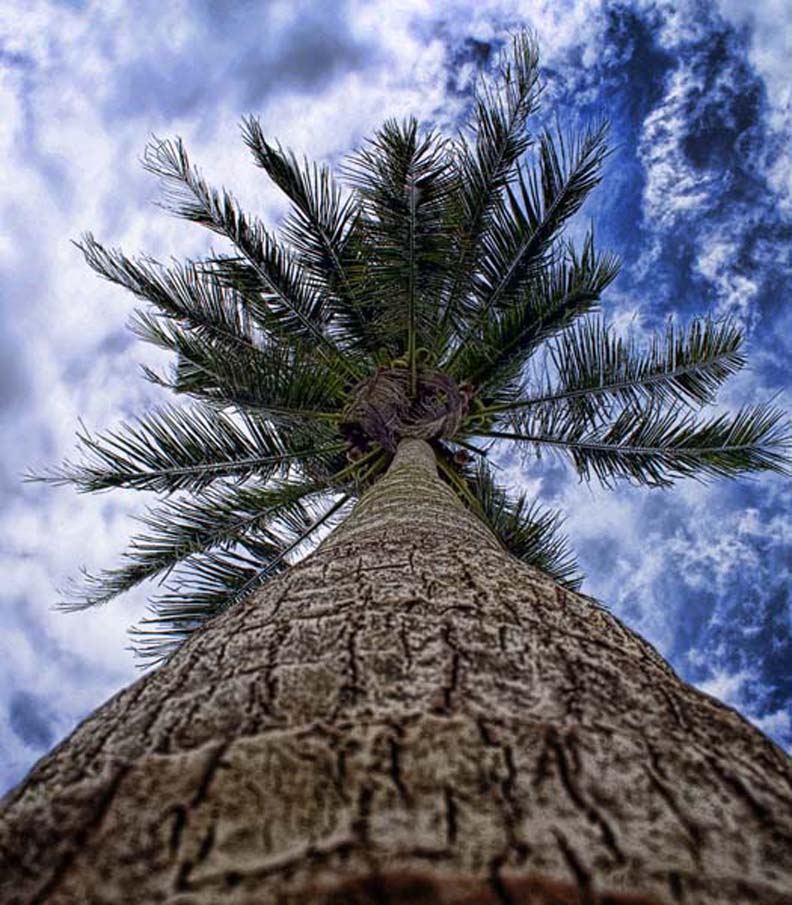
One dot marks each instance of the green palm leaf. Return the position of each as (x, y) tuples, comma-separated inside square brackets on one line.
[(521, 239), (282, 382), (498, 125), (493, 361), (223, 516), (173, 449), (181, 293), (655, 446), (595, 369), (403, 183), (283, 300), (218, 580), (321, 218)]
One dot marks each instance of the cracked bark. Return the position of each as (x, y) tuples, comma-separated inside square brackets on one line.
[(408, 715)]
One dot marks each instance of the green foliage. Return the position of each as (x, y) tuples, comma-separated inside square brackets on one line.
[(432, 255), (654, 445), (553, 299), (188, 448), (222, 516), (404, 184), (486, 166), (593, 364)]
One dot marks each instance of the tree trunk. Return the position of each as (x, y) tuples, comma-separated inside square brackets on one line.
[(408, 715)]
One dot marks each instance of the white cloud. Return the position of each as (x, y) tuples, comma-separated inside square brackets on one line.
[(727, 687), (778, 723), (735, 293), (738, 689), (674, 191), (769, 24)]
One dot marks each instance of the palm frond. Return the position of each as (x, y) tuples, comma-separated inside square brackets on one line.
[(283, 299), (403, 183), (283, 382), (182, 293), (212, 582), (321, 218), (656, 445), (171, 449), (494, 359), (524, 232), (223, 516), (501, 108), (595, 369)]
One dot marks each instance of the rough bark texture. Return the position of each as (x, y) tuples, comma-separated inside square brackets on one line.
[(409, 715)]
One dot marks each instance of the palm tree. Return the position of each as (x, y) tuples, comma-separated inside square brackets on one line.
[(423, 708)]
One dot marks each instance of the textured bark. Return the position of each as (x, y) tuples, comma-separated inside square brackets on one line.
[(408, 715)]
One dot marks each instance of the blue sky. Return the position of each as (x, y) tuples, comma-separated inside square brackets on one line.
[(697, 201)]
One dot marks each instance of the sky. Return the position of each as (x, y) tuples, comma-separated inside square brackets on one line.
[(697, 201)]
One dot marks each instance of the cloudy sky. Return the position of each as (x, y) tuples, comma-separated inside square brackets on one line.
[(697, 201)]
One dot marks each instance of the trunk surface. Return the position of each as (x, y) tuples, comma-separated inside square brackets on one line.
[(408, 715)]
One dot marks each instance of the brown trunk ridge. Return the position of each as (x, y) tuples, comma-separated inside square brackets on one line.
[(408, 715)]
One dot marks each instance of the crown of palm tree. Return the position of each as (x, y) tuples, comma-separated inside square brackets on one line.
[(435, 296)]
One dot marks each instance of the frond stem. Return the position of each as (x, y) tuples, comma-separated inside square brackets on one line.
[(606, 388), (411, 350), (669, 451), (209, 467), (470, 446)]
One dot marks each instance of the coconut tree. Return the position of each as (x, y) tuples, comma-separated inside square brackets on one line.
[(423, 708)]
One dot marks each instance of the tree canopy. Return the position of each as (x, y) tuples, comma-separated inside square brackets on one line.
[(430, 292)]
